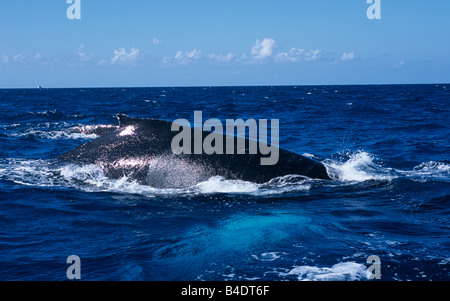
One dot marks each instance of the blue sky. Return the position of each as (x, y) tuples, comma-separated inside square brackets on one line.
[(208, 42)]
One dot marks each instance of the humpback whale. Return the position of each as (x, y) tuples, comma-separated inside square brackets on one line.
[(140, 149)]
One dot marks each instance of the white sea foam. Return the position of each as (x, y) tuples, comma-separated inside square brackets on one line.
[(28, 172), (279, 185), (431, 169), (56, 134), (57, 130), (221, 185), (91, 178), (269, 256), (345, 271)]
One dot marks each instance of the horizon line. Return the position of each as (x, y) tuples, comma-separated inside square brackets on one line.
[(222, 86)]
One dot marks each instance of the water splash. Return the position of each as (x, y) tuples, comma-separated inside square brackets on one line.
[(358, 167)]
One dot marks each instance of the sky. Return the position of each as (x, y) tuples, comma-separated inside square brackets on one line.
[(155, 43)]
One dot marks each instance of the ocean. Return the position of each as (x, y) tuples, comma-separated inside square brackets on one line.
[(386, 146)]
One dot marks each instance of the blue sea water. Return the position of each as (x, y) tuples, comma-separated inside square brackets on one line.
[(386, 147)]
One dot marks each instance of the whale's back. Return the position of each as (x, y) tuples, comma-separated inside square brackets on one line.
[(142, 149)]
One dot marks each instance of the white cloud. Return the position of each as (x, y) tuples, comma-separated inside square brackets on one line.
[(156, 41), (292, 55), (183, 57), (19, 58), (296, 54), (179, 55), (348, 56), (399, 64), (82, 55), (22, 58), (121, 56), (263, 49), (194, 54), (38, 58), (222, 58), (313, 55), (261, 52)]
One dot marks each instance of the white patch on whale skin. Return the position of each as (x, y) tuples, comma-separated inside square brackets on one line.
[(127, 131)]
